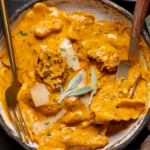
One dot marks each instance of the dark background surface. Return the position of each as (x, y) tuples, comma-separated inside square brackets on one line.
[(7, 143)]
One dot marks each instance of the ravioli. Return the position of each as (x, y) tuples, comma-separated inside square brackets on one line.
[(51, 47)]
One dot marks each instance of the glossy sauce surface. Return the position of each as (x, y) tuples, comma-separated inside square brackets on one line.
[(98, 44)]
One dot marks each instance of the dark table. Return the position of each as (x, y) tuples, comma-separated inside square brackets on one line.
[(7, 143)]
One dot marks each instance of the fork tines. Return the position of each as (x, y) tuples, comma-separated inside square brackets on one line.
[(19, 123)]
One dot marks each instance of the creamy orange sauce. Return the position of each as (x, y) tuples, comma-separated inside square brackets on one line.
[(99, 44)]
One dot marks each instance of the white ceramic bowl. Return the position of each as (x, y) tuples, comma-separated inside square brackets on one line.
[(102, 9)]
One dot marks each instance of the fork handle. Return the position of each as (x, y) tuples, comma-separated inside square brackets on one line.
[(6, 27), (140, 11)]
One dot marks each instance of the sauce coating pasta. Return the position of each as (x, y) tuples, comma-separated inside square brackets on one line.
[(51, 47)]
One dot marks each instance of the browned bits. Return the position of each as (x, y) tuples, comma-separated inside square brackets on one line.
[(51, 68), (107, 60)]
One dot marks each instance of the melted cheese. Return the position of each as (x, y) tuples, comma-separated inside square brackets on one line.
[(68, 53), (39, 126), (40, 94)]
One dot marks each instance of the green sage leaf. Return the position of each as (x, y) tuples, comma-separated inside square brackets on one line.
[(91, 96), (61, 89), (65, 94), (74, 82), (147, 21), (94, 79), (94, 84), (82, 91)]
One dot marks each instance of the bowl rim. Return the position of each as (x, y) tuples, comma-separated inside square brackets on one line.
[(147, 40)]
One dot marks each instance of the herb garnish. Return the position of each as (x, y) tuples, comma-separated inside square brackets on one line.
[(29, 43), (47, 123), (50, 11), (71, 88), (82, 90), (87, 49), (72, 107), (71, 69), (99, 30), (116, 28), (63, 49), (48, 134), (67, 73), (21, 33), (54, 100), (61, 89), (88, 24), (65, 58), (94, 84), (147, 21)]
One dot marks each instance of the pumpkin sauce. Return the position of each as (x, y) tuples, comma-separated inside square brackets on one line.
[(50, 48)]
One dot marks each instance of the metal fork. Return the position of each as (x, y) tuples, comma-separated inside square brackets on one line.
[(12, 91), (141, 8)]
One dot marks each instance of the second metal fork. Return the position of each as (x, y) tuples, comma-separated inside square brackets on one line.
[(12, 91)]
